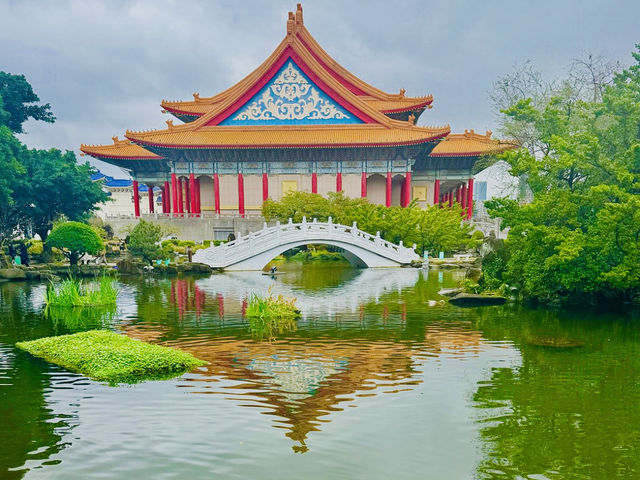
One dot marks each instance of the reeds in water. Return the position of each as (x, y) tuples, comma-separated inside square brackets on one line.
[(75, 293), (271, 315)]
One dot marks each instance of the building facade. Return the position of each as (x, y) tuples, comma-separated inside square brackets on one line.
[(299, 122)]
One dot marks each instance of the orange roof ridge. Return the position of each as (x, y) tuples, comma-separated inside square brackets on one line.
[(123, 149), (470, 143)]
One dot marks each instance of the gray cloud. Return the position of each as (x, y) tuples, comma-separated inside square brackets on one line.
[(105, 65)]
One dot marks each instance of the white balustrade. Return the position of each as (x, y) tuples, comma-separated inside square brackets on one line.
[(272, 240)]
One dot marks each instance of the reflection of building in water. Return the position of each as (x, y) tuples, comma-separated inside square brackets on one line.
[(367, 286), (319, 370)]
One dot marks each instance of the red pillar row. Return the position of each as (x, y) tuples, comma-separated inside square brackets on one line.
[(450, 197), (339, 182), (151, 199), (388, 192), (363, 185), (241, 195), (265, 187), (136, 199), (436, 192), (216, 193), (314, 182)]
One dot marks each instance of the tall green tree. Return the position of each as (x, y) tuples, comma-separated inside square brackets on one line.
[(580, 238), (37, 186), (55, 185), (17, 103)]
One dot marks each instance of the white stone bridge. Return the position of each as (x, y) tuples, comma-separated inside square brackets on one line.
[(254, 251)]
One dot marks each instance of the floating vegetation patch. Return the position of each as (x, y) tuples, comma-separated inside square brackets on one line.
[(106, 356), (271, 315), (75, 293)]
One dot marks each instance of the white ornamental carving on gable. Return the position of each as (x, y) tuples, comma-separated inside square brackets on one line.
[(291, 97)]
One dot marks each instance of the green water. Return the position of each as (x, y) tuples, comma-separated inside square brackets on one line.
[(378, 381)]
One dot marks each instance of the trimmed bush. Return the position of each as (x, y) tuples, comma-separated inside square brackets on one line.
[(74, 240)]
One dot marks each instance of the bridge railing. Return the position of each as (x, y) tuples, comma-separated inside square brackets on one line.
[(270, 237)]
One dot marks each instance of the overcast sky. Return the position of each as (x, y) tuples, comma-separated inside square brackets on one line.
[(104, 66)]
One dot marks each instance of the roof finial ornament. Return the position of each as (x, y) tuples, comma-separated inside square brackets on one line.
[(299, 20), (489, 133), (402, 92), (291, 21), (115, 140), (412, 119), (196, 96), (170, 124)]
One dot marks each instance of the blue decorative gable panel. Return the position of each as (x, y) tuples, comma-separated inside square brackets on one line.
[(291, 98)]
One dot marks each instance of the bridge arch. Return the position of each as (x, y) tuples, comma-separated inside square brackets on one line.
[(255, 250)]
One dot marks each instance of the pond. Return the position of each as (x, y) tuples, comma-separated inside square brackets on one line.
[(379, 380)]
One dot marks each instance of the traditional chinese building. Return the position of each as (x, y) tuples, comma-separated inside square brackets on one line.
[(300, 121)]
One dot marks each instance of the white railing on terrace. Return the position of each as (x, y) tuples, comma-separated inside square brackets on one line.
[(270, 238)]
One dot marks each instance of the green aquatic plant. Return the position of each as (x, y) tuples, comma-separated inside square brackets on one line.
[(107, 356), (74, 293), (271, 315)]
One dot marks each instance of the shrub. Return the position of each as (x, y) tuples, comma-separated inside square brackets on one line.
[(74, 240)]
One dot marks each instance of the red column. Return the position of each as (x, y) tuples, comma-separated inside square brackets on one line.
[(339, 182), (192, 191), (470, 200), (167, 200), (436, 192), (187, 195), (180, 198), (241, 195), (265, 187), (151, 199), (388, 197), (363, 185), (463, 199), (406, 199), (314, 182), (136, 199), (197, 189), (450, 196), (216, 193), (174, 192), (458, 194)]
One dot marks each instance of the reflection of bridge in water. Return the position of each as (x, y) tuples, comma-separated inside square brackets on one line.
[(367, 286)]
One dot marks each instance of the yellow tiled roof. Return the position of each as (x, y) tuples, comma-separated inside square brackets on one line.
[(289, 136), (469, 144), (120, 149), (378, 99)]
